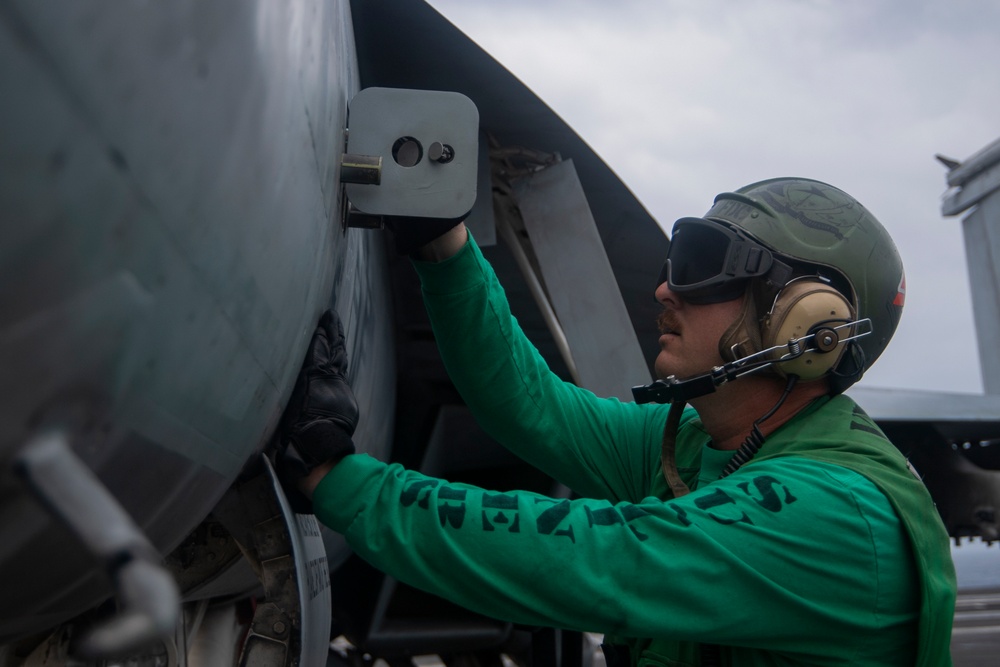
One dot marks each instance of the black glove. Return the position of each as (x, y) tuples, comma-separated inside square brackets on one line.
[(322, 414), (411, 234)]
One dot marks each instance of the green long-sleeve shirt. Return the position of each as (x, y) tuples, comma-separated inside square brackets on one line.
[(792, 560)]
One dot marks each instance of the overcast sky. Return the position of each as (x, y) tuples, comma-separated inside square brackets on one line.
[(684, 99)]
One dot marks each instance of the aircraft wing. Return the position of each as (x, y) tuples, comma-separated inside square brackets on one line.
[(956, 416), (953, 441)]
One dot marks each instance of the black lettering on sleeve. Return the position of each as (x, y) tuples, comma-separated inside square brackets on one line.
[(448, 513), (631, 513), (549, 520), (611, 516), (712, 502), (767, 486), (418, 492), (605, 516), (505, 507), (682, 514)]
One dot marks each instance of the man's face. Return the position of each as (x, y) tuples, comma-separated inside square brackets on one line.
[(689, 333)]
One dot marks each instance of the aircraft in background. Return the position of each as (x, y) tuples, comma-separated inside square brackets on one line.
[(175, 219), (953, 439)]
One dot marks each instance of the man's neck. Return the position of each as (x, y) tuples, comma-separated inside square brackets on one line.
[(728, 414)]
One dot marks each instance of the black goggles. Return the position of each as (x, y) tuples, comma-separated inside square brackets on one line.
[(708, 262)]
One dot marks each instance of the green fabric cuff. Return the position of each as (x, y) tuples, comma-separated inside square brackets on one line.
[(453, 275), (336, 500)]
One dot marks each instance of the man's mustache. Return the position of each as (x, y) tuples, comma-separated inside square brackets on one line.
[(667, 322)]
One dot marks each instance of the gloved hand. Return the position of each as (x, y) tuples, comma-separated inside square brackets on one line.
[(322, 414), (411, 234)]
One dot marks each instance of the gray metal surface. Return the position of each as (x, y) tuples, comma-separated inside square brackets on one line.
[(909, 405), (480, 220), (382, 118), (976, 183), (974, 191), (974, 165), (291, 625), (145, 591), (579, 281), (169, 234), (427, 52), (981, 230)]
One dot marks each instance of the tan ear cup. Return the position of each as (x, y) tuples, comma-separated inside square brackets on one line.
[(803, 307)]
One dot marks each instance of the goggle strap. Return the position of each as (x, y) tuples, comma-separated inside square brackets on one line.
[(780, 273), (746, 259)]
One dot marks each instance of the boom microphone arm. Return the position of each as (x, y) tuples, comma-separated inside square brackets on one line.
[(672, 389)]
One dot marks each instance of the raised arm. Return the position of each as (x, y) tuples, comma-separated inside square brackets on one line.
[(597, 446)]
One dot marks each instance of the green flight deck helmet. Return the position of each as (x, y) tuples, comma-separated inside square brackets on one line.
[(819, 230)]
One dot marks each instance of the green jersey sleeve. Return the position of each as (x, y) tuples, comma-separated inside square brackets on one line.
[(789, 556), (599, 447)]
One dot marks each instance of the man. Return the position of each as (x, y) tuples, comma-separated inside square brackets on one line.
[(770, 523)]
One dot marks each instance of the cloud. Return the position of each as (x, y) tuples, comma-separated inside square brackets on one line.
[(685, 99)]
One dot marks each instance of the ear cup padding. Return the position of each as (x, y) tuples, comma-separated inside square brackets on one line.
[(801, 308)]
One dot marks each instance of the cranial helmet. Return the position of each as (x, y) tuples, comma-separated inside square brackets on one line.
[(808, 256)]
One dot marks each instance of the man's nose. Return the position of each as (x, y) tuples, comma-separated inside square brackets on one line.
[(665, 296)]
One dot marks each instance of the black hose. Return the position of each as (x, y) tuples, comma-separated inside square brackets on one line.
[(755, 440)]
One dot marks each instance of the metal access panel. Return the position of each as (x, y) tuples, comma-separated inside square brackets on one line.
[(480, 220), (428, 142), (580, 282)]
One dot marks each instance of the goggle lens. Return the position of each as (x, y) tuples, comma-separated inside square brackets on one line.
[(709, 263), (696, 254)]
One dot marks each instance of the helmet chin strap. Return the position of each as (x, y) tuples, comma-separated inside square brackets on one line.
[(746, 451)]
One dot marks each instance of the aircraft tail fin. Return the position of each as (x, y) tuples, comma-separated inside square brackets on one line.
[(975, 185)]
